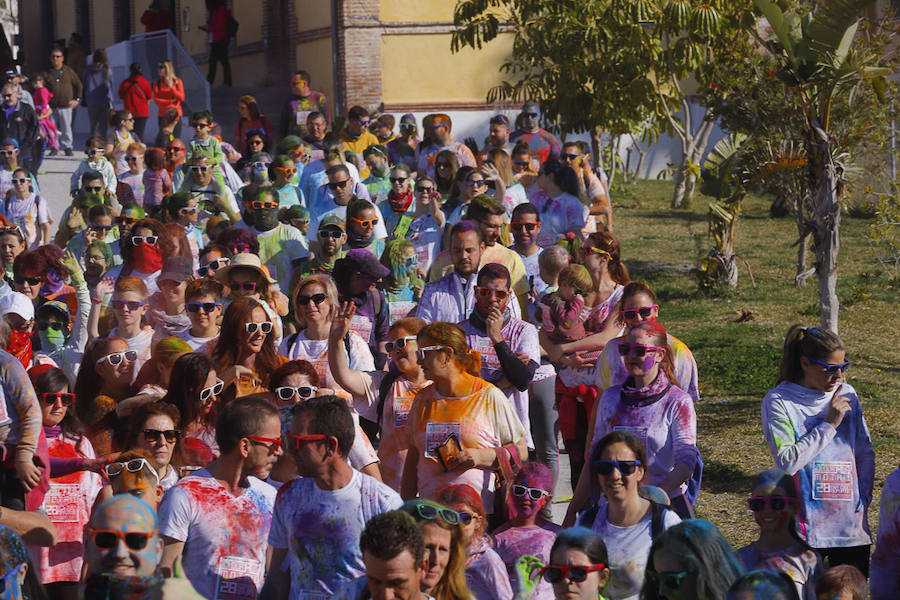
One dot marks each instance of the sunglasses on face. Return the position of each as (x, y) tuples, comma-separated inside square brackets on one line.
[(420, 353), (442, 165), (263, 205), (289, 171), (207, 307), (212, 266), (150, 240), (93, 189), (450, 517), (523, 226), (489, 293), (644, 312), (625, 467), (521, 163), (62, 398), (304, 299), (135, 465), (29, 280), (669, 580), (571, 156), (175, 149), (424, 189), (170, 435), (131, 305), (265, 327), (240, 248), (312, 437), (759, 503), (100, 227), (132, 158), (116, 358), (200, 125), (272, 444), (287, 392), (399, 343), (247, 286), (199, 169), (533, 493), (530, 115), (333, 185), (108, 539), (574, 573), (830, 369), (638, 350), (399, 179), (7, 152), (366, 222), (54, 325), (20, 180), (125, 220), (213, 390), (330, 233), (476, 183), (93, 151)]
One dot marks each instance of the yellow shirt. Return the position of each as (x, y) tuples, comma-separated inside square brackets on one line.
[(356, 146)]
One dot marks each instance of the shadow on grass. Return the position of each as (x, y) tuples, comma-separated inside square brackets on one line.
[(723, 478), (676, 215)]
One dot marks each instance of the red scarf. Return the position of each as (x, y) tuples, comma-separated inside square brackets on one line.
[(400, 203)]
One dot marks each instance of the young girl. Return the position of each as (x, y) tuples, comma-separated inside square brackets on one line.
[(578, 568), (157, 181), (404, 284), (774, 504), (561, 310), (181, 208), (28, 210), (42, 97), (527, 531)]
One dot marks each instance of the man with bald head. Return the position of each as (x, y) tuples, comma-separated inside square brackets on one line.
[(123, 539)]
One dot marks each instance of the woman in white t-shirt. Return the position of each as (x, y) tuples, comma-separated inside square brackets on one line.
[(28, 210), (626, 522)]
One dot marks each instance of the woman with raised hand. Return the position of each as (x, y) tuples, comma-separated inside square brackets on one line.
[(816, 431)]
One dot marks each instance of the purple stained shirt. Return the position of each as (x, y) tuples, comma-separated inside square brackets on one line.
[(513, 542)]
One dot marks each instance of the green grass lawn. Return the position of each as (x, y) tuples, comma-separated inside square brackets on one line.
[(738, 362)]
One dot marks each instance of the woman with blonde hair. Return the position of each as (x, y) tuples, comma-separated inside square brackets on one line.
[(445, 549), (461, 428), (168, 91)]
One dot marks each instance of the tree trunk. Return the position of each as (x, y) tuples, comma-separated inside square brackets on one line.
[(641, 155), (802, 245), (613, 155), (597, 146), (827, 218), (694, 145)]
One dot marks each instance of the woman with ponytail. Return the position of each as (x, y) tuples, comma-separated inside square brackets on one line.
[(461, 428), (814, 425)]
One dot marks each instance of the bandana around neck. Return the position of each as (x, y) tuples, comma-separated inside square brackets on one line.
[(647, 395), (400, 202)]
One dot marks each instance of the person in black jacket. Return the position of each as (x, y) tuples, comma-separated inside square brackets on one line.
[(19, 121)]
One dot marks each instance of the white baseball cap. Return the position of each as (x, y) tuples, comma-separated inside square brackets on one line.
[(18, 304)]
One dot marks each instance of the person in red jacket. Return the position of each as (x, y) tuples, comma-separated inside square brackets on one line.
[(217, 27), (168, 91), (136, 93)]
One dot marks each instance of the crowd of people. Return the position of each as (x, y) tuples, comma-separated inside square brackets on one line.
[(336, 363)]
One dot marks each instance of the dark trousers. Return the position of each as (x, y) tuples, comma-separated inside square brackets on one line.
[(139, 124), (12, 494), (98, 115), (218, 53), (176, 131), (857, 556)]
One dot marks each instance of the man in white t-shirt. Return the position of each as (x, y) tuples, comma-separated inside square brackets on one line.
[(319, 516), (219, 517)]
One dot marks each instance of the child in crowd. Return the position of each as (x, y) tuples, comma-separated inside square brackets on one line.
[(42, 96), (204, 143), (157, 181), (561, 310), (203, 303), (843, 582), (551, 263), (23, 207), (774, 503), (94, 147)]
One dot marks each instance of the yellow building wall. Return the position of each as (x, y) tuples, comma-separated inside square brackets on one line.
[(64, 10), (137, 11), (312, 14), (407, 11), (250, 17), (103, 31), (194, 40), (421, 69), (315, 58)]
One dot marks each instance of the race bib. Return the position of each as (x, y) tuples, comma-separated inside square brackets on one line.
[(321, 367), (238, 578), (638, 432), (4, 416), (832, 481), (489, 359), (402, 404), (305, 595), (62, 502), (302, 116), (437, 433), (399, 310), (363, 326)]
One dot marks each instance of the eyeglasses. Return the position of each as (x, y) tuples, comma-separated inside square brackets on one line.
[(522, 163), (207, 307), (272, 444), (330, 233), (289, 171), (531, 115), (312, 437), (255, 142), (170, 435), (304, 299), (571, 156), (213, 266), (625, 467), (108, 539), (29, 280), (54, 325), (638, 350), (247, 286), (363, 122), (476, 182), (398, 179), (175, 149), (213, 390), (20, 180), (239, 248), (533, 493), (93, 151), (135, 465), (100, 227), (593, 250), (425, 189), (287, 392), (366, 222), (333, 185), (131, 305), (523, 226), (450, 517), (93, 189), (830, 369), (63, 398), (125, 220), (399, 343), (644, 311), (150, 240), (442, 165), (759, 503), (265, 327), (420, 353), (7, 152), (200, 125), (132, 158), (489, 293), (574, 573), (116, 358), (199, 169), (670, 580)]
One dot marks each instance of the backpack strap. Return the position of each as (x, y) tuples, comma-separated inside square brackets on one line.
[(387, 383), (658, 519), (291, 340)]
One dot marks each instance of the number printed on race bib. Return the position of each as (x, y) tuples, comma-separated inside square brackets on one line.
[(402, 404), (238, 578), (63, 501), (437, 433), (489, 359), (363, 326), (832, 480)]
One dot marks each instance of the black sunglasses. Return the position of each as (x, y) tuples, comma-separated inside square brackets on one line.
[(208, 307), (54, 325), (154, 434), (30, 280), (304, 299), (625, 467)]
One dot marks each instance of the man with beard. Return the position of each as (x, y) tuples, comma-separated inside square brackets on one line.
[(499, 135), (329, 248), (281, 246), (220, 516), (543, 144), (319, 516)]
